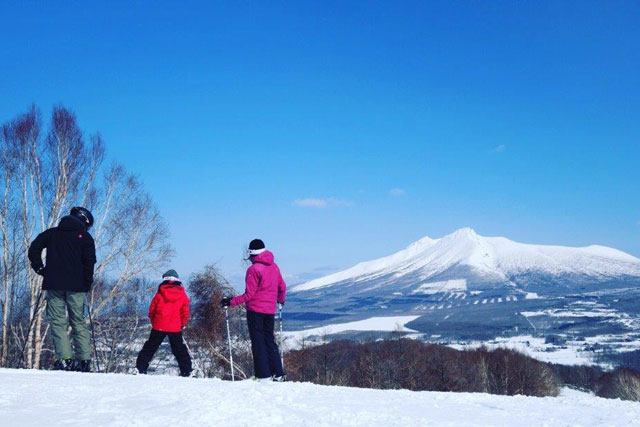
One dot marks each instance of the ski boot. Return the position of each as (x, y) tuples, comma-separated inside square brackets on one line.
[(83, 365), (281, 379), (187, 374), (63, 365), (261, 380)]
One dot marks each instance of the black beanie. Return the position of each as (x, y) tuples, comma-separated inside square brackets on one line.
[(256, 244), (256, 247)]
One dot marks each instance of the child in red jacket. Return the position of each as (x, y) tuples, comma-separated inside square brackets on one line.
[(169, 313)]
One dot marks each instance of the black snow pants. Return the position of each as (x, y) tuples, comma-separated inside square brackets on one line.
[(266, 357), (178, 348)]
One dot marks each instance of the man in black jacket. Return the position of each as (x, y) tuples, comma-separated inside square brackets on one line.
[(68, 275)]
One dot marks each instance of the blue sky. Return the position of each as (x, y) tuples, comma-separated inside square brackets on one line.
[(343, 131)]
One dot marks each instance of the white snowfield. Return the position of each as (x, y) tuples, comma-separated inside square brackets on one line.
[(443, 286), (43, 398), (378, 324), (569, 354), (494, 256)]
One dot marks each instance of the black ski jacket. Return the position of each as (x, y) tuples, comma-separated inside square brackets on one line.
[(71, 255)]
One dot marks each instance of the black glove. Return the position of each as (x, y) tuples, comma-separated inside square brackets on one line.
[(40, 271), (225, 302)]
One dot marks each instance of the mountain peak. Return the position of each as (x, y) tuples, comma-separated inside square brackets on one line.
[(426, 240), (466, 232)]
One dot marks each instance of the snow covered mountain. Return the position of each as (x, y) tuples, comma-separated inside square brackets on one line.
[(465, 261), (464, 285)]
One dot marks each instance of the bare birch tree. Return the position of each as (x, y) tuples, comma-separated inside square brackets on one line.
[(6, 181), (41, 178)]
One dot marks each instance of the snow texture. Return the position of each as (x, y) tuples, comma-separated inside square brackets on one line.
[(44, 398), (535, 347), (384, 324), (443, 286)]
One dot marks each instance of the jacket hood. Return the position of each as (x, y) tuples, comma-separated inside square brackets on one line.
[(71, 223), (171, 291), (265, 258)]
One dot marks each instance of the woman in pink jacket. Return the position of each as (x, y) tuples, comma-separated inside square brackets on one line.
[(264, 288)]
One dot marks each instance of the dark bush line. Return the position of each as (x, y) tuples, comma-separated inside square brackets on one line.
[(585, 378), (413, 365), (622, 383)]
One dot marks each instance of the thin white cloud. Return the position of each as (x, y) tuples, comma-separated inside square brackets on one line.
[(397, 192), (310, 203), (321, 203), (499, 149)]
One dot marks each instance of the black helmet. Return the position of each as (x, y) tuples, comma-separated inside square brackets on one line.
[(83, 215)]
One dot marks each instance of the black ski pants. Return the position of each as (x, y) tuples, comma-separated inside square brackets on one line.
[(266, 357), (178, 348)]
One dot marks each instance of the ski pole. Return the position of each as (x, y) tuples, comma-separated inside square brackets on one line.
[(184, 341), (93, 336), (226, 315), (26, 338), (281, 340)]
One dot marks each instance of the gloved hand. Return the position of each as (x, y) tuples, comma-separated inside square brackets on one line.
[(225, 302), (40, 271)]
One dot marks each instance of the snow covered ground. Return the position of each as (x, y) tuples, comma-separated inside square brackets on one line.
[(39, 398), (536, 348), (569, 353), (378, 324)]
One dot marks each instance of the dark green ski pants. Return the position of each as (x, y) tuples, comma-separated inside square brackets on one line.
[(59, 303)]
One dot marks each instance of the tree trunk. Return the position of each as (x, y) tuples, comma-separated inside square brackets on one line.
[(6, 302), (29, 338)]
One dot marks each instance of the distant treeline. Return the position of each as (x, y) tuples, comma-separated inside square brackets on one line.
[(622, 383), (414, 365)]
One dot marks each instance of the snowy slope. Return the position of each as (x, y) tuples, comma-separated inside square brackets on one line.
[(385, 324), (493, 258), (40, 398)]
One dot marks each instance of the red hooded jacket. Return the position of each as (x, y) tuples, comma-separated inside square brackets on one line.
[(169, 309)]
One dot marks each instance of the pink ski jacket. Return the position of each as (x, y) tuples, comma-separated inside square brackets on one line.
[(264, 285)]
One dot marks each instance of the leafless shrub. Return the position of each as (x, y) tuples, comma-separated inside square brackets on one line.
[(621, 384), (413, 365), (207, 331), (122, 326), (581, 377), (511, 373)]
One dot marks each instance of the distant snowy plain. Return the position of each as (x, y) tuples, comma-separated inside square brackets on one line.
[(44, 398), (570, 353)]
